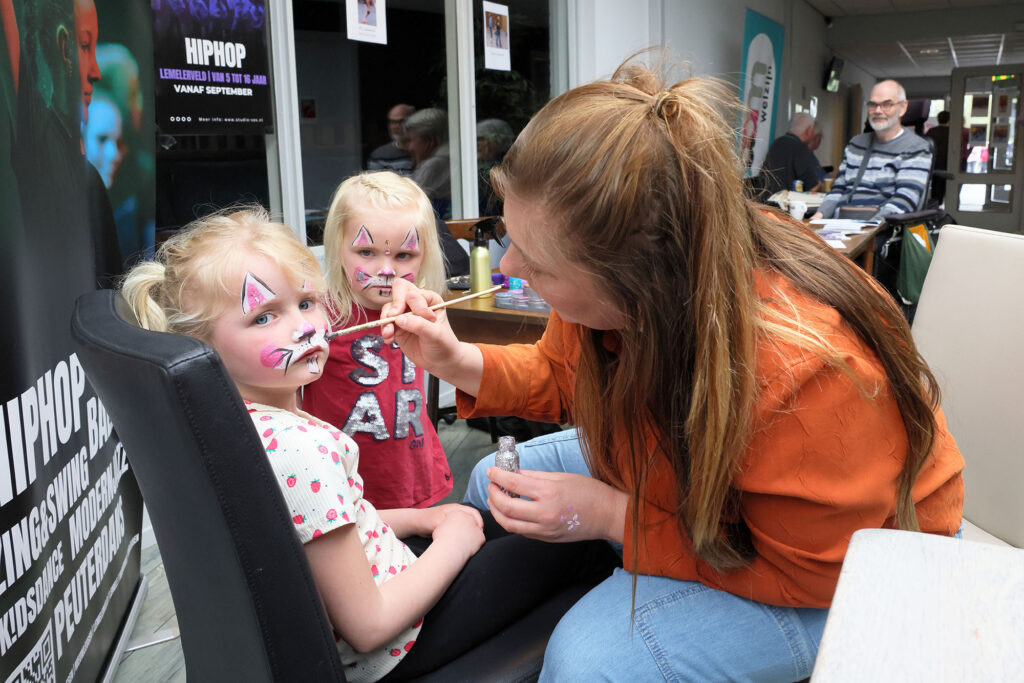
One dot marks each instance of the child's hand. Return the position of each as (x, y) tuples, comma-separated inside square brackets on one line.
[(460, 531), (436, 515)]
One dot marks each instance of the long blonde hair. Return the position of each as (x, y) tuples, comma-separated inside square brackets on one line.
[(378, 190), (646, 184), (182, 289)]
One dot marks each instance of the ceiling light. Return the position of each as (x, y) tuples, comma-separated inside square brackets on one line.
[(929, 51)]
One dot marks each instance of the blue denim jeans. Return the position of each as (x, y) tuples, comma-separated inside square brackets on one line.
[(683, 630)]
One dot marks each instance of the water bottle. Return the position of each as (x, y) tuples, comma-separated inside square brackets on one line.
[(507, 458)]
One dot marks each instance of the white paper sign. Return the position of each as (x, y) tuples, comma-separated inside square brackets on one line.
[(367, 20), (497, 54)]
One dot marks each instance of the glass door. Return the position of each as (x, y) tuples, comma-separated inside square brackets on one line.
[(987, 176)]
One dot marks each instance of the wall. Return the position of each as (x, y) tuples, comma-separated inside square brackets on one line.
[(707, 35)]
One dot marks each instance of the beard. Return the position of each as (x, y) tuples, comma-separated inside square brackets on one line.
[(879, 124)]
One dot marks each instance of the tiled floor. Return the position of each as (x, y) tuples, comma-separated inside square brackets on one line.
[(164, 661)]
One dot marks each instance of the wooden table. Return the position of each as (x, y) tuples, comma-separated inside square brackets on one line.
[(478, 321), (859, 247), (919, 607)]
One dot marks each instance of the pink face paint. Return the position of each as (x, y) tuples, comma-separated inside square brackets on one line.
[(386, 271), (306, 331), (361, 276), (411, 241), (363, 237), (411, 277), (309, 343), (387, 247), (275, 357), (255, 292)]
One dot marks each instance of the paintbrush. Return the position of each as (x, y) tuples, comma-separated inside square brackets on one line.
[(385, 321)]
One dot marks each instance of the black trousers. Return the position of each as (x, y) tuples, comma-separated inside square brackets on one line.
[(504, 581)]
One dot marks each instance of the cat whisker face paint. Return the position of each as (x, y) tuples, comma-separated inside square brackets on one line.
[(384, 247), (309, 342)]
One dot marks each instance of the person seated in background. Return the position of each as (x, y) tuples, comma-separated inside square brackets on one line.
[(493, 138), (393, 155), (940, 136), (790, 158), (427, 134), (896, 162)]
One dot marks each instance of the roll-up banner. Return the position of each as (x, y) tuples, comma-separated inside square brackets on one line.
[(212, 70), (759, 87), (75, 172)]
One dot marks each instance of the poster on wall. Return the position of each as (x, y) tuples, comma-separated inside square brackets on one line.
[(497, 54), (70, 509), (211, 67), (759, 91), (367, 21)]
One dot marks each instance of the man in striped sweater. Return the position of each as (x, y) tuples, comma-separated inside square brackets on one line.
[(898, 166)]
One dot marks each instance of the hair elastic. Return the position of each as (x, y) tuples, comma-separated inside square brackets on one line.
[(659, 102)]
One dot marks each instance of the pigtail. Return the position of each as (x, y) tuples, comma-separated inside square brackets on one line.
[(142, 290)]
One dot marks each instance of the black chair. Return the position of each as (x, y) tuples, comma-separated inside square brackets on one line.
[(246, 604)]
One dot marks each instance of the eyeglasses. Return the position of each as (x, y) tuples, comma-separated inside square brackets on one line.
[(888, 105)]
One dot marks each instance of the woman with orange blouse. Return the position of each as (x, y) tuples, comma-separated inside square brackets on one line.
[(745, 397)]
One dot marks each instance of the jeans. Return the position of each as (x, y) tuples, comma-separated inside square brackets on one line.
[(683, 630)]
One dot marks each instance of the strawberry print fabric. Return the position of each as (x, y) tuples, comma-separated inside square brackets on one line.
[(316, 466)]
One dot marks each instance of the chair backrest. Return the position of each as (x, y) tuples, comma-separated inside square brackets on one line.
[(970, 329), (247, 607), (462, 228), (927, 193)]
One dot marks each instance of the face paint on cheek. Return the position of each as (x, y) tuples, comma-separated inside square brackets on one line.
[(276, 357), (411, 277), (361, 276)]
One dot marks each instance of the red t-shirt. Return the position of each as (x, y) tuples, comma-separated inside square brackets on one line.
[(373, 393)]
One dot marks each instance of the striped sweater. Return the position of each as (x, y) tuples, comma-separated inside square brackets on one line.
[(895, 179)]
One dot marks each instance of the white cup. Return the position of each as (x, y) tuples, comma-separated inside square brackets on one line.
[(797, 210)]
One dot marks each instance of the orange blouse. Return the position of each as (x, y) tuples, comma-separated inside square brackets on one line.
[(824, 459)]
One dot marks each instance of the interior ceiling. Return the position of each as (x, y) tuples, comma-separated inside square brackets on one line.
[(934, 55)]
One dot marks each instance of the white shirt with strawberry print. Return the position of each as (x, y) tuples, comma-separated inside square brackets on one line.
[(316, 466)]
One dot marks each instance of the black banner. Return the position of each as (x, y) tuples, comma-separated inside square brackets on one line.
[(211, 67), (70, 509)]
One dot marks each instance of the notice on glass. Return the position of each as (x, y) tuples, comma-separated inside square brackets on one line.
[(496, 47), (367, 21)]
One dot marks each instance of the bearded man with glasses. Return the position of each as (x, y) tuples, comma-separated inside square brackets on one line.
[(883, 172)]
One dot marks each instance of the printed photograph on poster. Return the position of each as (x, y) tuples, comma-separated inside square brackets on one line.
[(979, 135), (497, 54), (1000, 135), (367, 21), (979, 105), (1002, 107)]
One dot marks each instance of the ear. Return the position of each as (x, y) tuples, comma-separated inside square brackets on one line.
[(65, 47)]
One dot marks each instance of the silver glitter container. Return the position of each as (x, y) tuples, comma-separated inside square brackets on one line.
[(507, 458)]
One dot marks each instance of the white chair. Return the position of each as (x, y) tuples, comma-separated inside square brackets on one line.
[(913, 606), (970, 329)]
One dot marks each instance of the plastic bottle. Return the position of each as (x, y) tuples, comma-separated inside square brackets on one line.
[(507, 458), (480, 256)]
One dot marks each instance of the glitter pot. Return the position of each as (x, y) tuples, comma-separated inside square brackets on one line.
[(507, 458)]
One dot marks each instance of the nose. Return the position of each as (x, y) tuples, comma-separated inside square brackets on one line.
[(305, 333), (386, 271)]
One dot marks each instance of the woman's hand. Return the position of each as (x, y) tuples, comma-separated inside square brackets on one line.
[(427, 339), (562, 507)]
